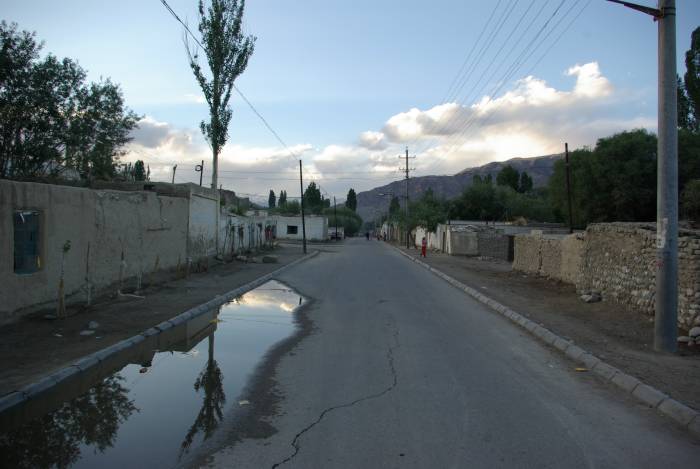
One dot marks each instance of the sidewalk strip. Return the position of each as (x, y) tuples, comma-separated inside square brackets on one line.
[(44, 384), (683, 415)]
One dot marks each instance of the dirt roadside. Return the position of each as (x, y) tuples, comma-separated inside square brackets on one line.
[(618, 335), (33, 346)]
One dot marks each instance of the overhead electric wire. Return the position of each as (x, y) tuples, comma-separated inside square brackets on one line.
[(467, 121), (522, 59), (468, 98), (465, 73), (490, 116), (451, 90), (524, 55)]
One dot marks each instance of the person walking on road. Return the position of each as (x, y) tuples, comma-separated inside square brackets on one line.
[(423, 246)]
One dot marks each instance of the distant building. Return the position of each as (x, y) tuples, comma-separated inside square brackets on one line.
[(291, 227)]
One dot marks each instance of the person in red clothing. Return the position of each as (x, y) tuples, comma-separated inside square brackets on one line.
[(423, 246)]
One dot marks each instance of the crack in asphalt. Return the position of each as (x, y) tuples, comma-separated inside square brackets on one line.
[(390, 357)]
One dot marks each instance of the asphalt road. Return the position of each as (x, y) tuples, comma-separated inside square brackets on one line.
[(403, 370)]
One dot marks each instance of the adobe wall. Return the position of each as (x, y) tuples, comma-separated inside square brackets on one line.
[(149, 230)]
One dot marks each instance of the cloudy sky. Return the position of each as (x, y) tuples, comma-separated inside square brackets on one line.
[(349, 85)]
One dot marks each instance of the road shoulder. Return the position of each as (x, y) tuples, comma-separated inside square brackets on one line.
[(525, 316), (35, 347)]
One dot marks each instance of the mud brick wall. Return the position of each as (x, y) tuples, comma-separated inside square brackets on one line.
[(550, 253), (527, 256), (619, 262), (571, 257), (496, 245)]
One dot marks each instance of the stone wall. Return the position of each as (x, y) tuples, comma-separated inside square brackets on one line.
[(462, 243), (618, 261), (495, 244)]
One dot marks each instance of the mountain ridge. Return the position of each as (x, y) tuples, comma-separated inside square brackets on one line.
[(371, 204)]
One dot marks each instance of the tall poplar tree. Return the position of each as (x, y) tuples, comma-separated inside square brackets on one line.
[(227, 51)]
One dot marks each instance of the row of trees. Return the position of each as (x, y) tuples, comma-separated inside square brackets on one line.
[(511, 196), (316, 204), (51, 118), (313, 199), (614, 181)]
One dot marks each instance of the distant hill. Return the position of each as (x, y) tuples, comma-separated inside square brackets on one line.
[(370, 204)]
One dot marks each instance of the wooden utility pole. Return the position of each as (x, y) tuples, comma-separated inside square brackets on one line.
[(303, 222), (200, 169), (335, 215), (407, 169), (174, 169), (568, 186), (666, 317)]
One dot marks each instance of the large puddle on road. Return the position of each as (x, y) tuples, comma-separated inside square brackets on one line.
[(168, 396)]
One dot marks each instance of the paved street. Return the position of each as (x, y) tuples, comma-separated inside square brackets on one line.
[(403, 370)]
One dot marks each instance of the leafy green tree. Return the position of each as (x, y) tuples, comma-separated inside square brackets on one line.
[(271, 199), (283, 198), (139, 171), (477, 202), (227, 50), (428, 211), (98, 131), (484, 201), (346, 217), (394, 207), (351, 200), (614, 182), (50, 117), (508, 176), (685, 114), (291, 208), (692, 77), (525, 183), (313, 201), (690, 200)]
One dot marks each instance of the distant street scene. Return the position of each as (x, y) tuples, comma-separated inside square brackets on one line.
[(339, 235)]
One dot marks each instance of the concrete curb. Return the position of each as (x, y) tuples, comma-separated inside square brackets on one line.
[(683, 415), (94, 359)]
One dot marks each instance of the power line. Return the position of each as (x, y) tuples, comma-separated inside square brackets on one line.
[(460, 119), (520, 60), (468, 97), (465, 72)]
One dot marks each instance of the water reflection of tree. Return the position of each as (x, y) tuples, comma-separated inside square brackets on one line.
[(211, 380), (55, 439)]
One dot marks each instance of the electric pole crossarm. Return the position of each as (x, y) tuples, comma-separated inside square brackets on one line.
[(656, 13)]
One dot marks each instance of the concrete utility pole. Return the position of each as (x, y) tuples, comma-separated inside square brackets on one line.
[(303, 222), (665, 321), (407, 171), (568, 187)]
